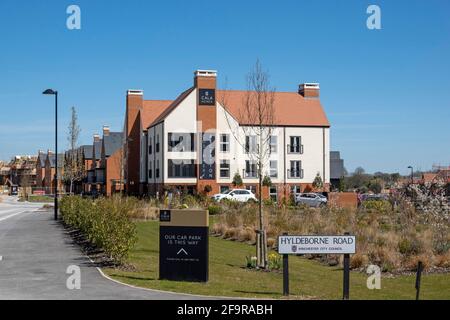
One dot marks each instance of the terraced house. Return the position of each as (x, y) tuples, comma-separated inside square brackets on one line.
[(50, 173), (192, 142), (110, 173)]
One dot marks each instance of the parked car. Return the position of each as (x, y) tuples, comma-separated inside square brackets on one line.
[(240, 195), (374, 197), (311, 199)]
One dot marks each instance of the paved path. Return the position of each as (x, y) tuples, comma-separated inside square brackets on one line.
[(35, 252)]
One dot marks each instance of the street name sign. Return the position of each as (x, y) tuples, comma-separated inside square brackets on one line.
[(317, 244), (183, 245)]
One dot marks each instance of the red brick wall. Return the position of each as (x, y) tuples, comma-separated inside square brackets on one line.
[(112, 171), (207, 115), (133, 130), (343, 199)]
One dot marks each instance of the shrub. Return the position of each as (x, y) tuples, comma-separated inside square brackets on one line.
[(443, 261), (106, 223), (382, 206), (409, 246), (359, 261), (267, 182), (317, 183), (247, 235), (214, 209), (376, 186), (237, 180)]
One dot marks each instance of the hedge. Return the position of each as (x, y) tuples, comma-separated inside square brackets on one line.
[(105, 222)]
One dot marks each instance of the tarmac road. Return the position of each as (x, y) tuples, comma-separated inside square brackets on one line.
[(35, 253)]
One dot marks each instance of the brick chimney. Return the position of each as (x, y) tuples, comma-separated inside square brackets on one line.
[(205, 79), (135, 103), (96, 137), (309, 90), (106, 131), (205, 82)]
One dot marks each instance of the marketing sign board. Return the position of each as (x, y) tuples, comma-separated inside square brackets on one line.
[(208, 156), (317, 244), (183, 245)]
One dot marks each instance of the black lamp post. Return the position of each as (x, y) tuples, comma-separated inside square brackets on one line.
[(412, 174), (55, 93)]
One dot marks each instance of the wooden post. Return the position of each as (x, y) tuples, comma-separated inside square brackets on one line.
[(285, 272), (346, 284), (418, 279)]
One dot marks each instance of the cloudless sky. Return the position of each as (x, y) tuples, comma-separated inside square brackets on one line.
[(386, 92)]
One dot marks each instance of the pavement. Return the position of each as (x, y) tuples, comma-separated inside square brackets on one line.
[(35, 252)]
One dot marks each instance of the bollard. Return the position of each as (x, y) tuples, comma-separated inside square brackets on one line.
[(418, 279)]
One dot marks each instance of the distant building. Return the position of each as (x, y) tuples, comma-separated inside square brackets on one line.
[(93, 186), (5, 172), (50, 172), (23, 171), (337, 169), (110, 173), (40, 170)]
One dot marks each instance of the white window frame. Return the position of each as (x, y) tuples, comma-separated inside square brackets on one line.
[(273, 144), (273, 170), (225, 162), (225, 144)]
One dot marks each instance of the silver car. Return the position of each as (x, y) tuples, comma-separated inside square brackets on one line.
[(311, 199)]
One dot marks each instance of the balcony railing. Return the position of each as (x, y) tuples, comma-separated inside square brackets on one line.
[(249, 174), (295, 174), (295, 149)]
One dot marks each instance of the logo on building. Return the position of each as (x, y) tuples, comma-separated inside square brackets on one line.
[(207, 97)]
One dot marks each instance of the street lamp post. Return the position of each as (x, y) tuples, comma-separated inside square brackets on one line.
[(55, 93), (412, 174)]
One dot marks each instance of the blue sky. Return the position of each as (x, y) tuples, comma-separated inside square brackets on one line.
[(386, 92)]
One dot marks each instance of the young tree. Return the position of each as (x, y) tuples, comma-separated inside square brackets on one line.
[(237, 180), (317, 183), (73, 162), (253, 130)]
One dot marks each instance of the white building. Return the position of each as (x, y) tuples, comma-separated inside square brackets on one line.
[(197, 140)]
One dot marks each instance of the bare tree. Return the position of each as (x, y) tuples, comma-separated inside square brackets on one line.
[(73, 162), (252, 130)]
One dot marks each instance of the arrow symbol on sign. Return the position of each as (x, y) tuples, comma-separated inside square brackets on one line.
[(182, 250)]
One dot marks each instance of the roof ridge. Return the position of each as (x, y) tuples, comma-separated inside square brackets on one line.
[(172, 106), (241, 90)]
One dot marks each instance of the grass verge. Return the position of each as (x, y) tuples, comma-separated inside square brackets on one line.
[(37, 199), (228, 277)]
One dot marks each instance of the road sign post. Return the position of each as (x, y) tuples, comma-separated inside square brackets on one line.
[(285, 273), (345, 245), (346, 277), (183, 245)]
